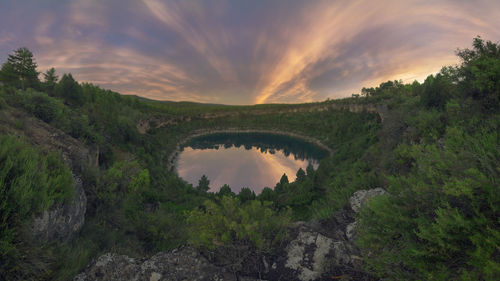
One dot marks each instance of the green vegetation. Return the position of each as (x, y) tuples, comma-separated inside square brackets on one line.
[(232, 229), (31, 181), (230, 222), (433, 146), (440, 221)]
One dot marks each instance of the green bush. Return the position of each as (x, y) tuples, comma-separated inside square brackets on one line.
[(441, 220), (229, 222), (3, 104), (30, 181), (43, 106)]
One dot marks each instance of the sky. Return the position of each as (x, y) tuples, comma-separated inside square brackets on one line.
[(245, 52)]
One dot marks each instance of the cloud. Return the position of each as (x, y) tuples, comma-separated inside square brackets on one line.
[(208, 38), (398, 40), (245, 52)]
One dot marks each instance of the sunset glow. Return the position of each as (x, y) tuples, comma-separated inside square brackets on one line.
[(244, 52), (238, 167)]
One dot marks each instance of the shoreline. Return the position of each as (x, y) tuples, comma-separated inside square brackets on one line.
[(172, 157)]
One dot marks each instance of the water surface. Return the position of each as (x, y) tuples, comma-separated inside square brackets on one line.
[(253, 160)]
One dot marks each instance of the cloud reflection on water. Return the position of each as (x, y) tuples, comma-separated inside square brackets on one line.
[(238, 167)]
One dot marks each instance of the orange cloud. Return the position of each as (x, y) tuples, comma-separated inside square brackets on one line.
[(245, 52)]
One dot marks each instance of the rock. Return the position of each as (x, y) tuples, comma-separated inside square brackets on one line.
[(305, 256), (315, 250), (184, 263), (323, 250), (360, 197), (62, 220), (350, 230)]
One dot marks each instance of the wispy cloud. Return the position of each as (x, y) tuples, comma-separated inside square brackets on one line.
[(208, 38), (244, 52)]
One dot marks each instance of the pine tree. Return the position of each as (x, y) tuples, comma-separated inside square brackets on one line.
[(203, 184), (50, 80), (70, 90), (24, 67)]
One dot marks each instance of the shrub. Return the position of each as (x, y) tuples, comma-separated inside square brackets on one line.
[(43, 107), (3, 104), (228, 222), (441, 220), (30, 181)]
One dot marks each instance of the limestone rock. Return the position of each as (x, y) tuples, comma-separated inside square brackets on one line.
[(360, 197), (184, 263), (62, 220), (315, 250)]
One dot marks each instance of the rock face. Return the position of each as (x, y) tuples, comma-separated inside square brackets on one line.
[(62, 220), (184, 263), (158, 122), (322, 250), (360, 197)]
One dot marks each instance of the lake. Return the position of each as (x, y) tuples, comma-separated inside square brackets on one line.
[(253, 160)]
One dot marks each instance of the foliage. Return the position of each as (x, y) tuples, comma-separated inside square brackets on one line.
[(31, 181), (21, 66), (479, 74), (50, 81), (433, 146), (43, 107), (442, 218), (225, 190), (70, 91), (436, 91), (203, 184), (229, 222), (246, 194)]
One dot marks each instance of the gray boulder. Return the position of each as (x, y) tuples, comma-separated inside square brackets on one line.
[(62, 221), (360, 197), (183, 263)]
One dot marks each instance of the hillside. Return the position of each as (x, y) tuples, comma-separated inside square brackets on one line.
[(86, 171)]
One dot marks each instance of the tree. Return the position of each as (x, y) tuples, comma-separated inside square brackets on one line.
[(70, 90), (203, 184), (24, 67), (246, 194), (301, 175), (280, 187), (50, 81), (8, 75), (436, 91), (310, 170), (225, 190), (267, 194), (479, 74), (284, 179)]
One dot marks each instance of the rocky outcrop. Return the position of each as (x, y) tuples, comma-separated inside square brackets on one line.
[(62, 221), (360, 197), (184, 263), (323, 250), (158, 122)]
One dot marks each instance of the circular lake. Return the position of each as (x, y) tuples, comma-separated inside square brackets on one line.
[(253, 160)]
